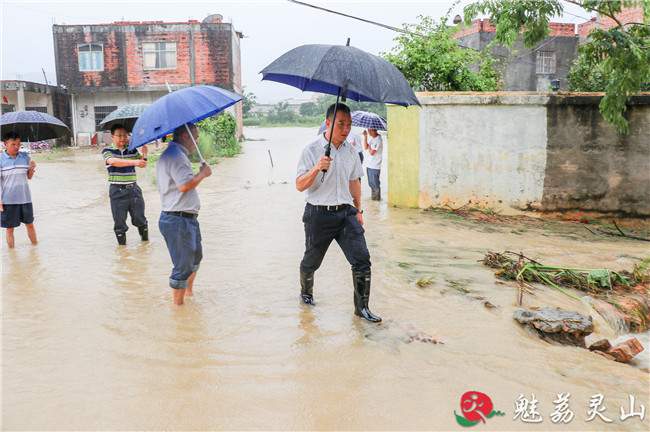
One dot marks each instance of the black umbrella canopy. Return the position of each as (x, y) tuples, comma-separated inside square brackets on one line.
[(125, 115), (32, 125), (359, 75)]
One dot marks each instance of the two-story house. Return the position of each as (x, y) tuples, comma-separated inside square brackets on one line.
[(105, 66)]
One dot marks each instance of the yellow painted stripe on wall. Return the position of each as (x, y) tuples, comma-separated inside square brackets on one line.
[(403, 156)]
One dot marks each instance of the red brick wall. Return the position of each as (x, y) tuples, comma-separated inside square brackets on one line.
[(139, 77), (485, 26), (562, 29), (625, 16), (123, 57)]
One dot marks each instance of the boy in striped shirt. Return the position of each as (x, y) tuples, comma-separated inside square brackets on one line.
[(124, 192), (16, 168)]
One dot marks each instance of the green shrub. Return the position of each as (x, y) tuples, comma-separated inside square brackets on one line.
[(217, 137)]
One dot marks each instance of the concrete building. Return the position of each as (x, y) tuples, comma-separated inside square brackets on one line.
[(528, 69), (105, 66), (533, 69), (31, 96)]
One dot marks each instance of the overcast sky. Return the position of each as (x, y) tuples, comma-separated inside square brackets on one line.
[(270, 27)]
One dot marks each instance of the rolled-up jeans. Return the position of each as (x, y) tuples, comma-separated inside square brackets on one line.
[(183, 238)]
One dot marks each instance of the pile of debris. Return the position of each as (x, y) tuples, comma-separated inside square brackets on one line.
[(571, 328), (627, 291)]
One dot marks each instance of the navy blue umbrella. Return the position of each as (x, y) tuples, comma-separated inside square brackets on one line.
[(188, 105), (344, 71), (32, 125), (368, 120)]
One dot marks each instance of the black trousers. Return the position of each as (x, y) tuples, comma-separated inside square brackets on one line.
[(126, 199), (322, 226)]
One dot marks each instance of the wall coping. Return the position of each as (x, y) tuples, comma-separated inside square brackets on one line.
[(520, 98)]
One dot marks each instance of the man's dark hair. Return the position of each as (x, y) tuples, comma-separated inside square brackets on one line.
[(10, 135), (116, 127), (342, 108), (179, 130)]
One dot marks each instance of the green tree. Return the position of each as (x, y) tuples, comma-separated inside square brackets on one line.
[(309, 109), (281, 113), (618, 57), (248, 102), (432, 60)]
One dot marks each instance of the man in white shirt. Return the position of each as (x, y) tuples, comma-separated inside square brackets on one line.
[(375, 146), (333, 209)]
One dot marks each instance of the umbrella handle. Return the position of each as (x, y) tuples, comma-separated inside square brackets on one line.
[(189, 132), (329, 143)]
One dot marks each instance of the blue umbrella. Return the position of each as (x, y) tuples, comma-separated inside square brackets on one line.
[(32, 125), (188, 105), (368, 120)]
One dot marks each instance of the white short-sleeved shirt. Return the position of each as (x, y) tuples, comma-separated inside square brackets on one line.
[(374, 161), (174, 169), (335, 187)]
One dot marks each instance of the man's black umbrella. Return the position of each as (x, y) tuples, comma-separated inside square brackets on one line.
[(33, 125), (344, 71), (125, 115)]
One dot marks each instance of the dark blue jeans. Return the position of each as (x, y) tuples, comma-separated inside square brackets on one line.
[(373, 178), (322, 226), (183, 238)]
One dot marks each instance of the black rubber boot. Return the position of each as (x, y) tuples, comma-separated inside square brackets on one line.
[(362, 295), (307, 288), (121, 238), (144, 233), (375, 195)]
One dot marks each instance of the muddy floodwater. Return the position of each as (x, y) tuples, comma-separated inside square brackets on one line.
[(90, 339)]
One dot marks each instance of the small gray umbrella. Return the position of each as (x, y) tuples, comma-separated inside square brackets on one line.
[(125, 115), (32, 125)]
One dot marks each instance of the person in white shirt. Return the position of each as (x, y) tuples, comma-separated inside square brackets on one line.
[(374, 145)]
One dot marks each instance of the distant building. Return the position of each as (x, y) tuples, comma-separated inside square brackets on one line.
[(31, 96), (523, 68), (105, 66), (534, 69)]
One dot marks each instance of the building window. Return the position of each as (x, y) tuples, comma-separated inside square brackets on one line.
[(39, 109), (91, 57), (5, 108), (545, 62), (159, 55), (101, 112)]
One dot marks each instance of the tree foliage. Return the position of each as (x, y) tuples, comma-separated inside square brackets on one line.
[(309, 109), (281, 113), (248, 102), (616, 60), (432, 60)]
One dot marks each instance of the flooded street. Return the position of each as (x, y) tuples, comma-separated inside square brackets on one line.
[(90, 339)]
